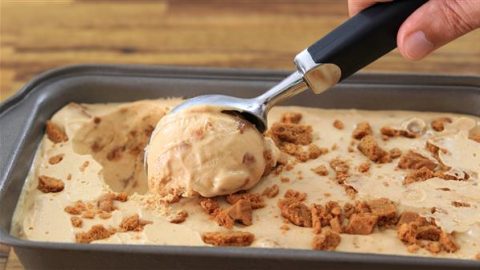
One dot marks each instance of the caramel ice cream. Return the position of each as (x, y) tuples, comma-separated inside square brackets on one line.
[(387, 182), (204, 151)]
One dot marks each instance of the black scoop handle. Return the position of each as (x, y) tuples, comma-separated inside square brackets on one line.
[(365, 37)]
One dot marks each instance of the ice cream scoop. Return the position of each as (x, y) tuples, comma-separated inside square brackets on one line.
[(356, 43), (216, 163), (202, 151)]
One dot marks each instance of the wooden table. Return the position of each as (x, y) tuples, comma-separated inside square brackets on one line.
[(38, 35)]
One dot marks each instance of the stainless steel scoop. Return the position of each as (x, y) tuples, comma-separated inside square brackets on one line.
[(356, 43)]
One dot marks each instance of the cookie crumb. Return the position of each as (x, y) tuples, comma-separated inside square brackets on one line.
[(271, 192), (96, 232), (179, 217), (76, 222), (228, 238), (364, 167), (296, 195), (439, 123), (133, 223), (326, 240), (285, 180), (418, 175), (76, 209), (338, 124), (413, 160), (55, 159), (385, 210), (47, 184), (292, 133), (361, 223), (321, 170), (369, 147), (210, 206), (255, 199), (460, 204), (296, 212), (291, 118), (55, 133), (361, 130)]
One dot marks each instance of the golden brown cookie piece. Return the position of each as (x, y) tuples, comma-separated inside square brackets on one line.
[(326, 240), (55, 133), (47, 184), (228, 238), (96, 232)]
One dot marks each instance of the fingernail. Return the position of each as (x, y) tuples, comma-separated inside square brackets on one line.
[(417, 46)]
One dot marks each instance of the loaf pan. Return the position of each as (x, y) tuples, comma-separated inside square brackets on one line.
[(23, 116)]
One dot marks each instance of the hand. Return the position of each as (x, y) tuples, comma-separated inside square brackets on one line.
[(431, 26)]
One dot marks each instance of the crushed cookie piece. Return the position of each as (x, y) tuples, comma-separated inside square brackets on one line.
[(292, 133), (210, 206), (285, 180), (326, 240), (296, 212), (228, 238), (55, 133), (133, 223), (361, 223), (413, 160), (295, 195), (255, 199), (413, 229), (97, 120), (439, 123), (448, 243), (348, 210), (452, 175), (105, 202), (96, 232), (89, 214), (271, 192), (389, 131), (291, 118), (338, 124), (76, 209), (179, 217), (224, 219), (395, 153), (315, 151), (408, 217), (76, 222), (369, 147), (361, 130), (55, 159), (364, 167), (418, 176), (47, 184), (121, 197), (460, 204), (241, 211), (284, 227), (385, 210), (341, 169), (321, 170)]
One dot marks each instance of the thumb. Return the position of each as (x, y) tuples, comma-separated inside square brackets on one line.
[(435, 24)]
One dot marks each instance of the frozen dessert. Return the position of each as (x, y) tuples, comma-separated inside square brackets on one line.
[(204, 151), (388, 182)]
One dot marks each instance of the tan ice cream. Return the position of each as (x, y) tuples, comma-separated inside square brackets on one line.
[(204, 151), (389, 182)]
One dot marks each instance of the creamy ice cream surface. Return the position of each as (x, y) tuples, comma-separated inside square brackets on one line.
[(204, 151), (388, 182)]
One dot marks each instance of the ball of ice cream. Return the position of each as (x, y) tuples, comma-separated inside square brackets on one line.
[(204, 151)]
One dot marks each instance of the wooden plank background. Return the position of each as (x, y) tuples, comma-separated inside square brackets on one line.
[(38, 35)]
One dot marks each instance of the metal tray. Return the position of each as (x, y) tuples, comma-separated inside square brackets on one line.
[(22, 119)]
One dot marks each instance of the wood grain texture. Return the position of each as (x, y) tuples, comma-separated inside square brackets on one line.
[(37, 35)]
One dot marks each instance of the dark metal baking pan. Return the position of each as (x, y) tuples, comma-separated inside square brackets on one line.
[(22, 119)]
